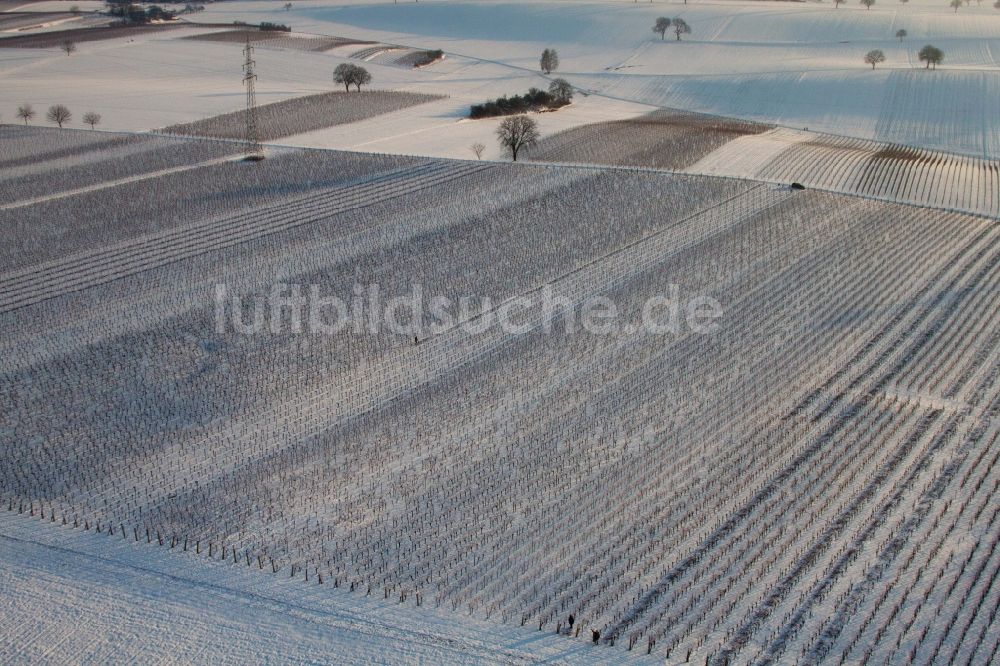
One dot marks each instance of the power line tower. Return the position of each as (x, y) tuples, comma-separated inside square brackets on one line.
[(254, 151)]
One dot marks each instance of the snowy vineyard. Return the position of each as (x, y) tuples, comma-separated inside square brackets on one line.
[(815, 479), (304, 114), (661, 139), (723, 147), (869, 168)]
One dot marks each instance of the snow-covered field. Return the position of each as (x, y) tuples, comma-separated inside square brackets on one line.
[(944, 109), (797, 65), (70, 596)]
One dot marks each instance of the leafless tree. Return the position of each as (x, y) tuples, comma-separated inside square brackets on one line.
[(344, 74), (362, 78), (868, 3), (517, 132), (58, 114), (92, 119), (900, 34), (351, 75), (561, 90), (955, 4), (680, 27), (874, 57), (478, 148), (661, 26), (931, 55), (68, 46), (549, 61), (25, 112)]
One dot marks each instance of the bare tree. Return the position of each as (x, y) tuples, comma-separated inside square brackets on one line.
[(361, 78), (680, 27), (68, 46), (288, 6), (900, 34), (517, 132), (58, 114), (868, 3), (92, 119), (344, 74), (956, 4), (837, 3), (350, 74), (874, 57), (931, 55), (549, 61), (478, 148), (561, 90), (25, 112), (661, 26)]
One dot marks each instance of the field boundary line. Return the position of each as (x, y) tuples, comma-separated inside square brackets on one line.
[(65, 194)]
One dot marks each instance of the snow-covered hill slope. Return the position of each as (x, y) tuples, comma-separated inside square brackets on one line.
[(798, 65), (947, 110), (793, 64)]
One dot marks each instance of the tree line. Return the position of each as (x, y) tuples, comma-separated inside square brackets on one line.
[(58, 114)]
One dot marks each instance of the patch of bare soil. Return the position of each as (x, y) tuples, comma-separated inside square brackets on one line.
[(55, 38), (277, 39)]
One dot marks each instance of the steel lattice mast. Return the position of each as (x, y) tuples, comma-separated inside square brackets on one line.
[(254, 150)]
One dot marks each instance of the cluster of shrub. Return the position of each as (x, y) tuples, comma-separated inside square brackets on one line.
[(265, 26), (134, 14), (559, 94)]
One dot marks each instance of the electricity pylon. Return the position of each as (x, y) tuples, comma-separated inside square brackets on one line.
[(254, 151)]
